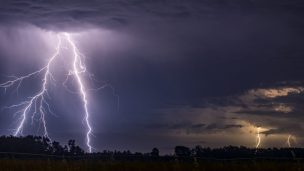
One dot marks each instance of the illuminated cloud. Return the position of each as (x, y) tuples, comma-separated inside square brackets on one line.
[(283, 108), (276, 92)]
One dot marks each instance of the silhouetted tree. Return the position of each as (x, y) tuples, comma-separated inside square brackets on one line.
[(181, 151), (73, 149), (58, 149), (155, 152)]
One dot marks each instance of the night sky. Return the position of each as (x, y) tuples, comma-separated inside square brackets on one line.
[(175, 72)]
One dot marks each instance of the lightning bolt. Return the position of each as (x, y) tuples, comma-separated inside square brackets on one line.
[(288, 141), (258, 138), (290, 137), (78, 69), (38, 103)]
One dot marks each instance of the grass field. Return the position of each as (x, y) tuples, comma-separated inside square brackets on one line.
[(86, 165)]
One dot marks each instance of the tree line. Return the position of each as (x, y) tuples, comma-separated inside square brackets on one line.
[(42, 147)]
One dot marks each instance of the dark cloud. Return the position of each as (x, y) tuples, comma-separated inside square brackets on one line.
[(71, 13), (216, 126), (198, 128), (294, 129)]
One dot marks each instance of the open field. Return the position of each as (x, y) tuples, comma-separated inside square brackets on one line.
[(93, 165)]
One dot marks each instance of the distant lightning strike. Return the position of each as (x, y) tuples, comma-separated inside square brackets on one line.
[(38, 104), (288, 141), (258, 138), (290, 137)]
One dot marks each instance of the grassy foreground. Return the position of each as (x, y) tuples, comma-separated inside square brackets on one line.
[(90, 165)]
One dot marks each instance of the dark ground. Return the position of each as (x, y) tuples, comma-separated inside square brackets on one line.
[(85, 165)]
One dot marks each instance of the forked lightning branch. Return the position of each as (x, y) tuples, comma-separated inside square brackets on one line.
[(37, 104)]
